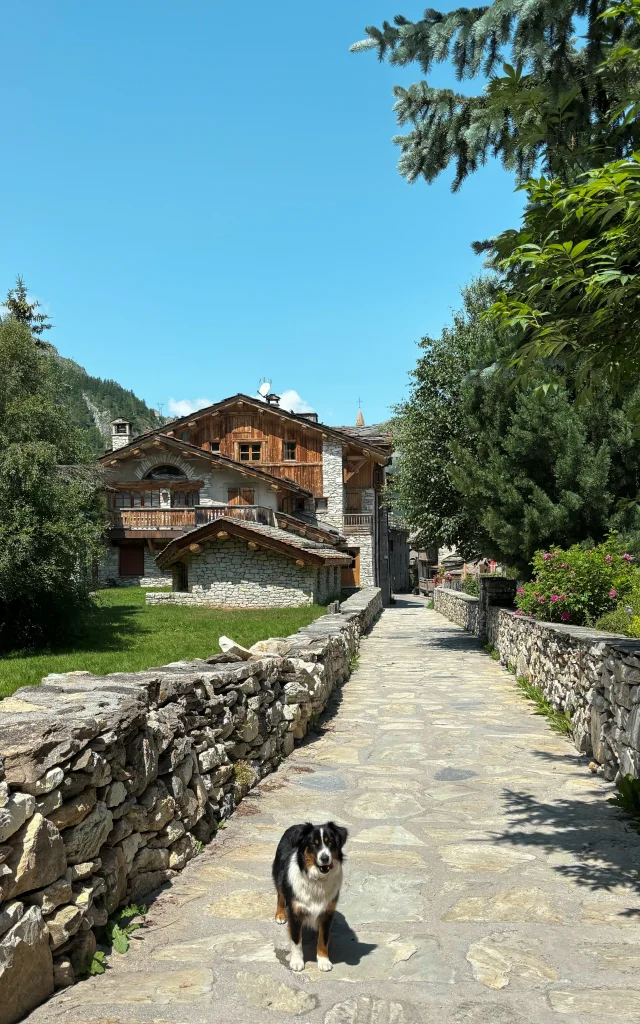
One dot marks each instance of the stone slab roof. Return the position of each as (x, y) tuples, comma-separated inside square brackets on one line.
[(311, 551)]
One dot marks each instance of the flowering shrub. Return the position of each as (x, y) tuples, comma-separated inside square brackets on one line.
[(580, 585)]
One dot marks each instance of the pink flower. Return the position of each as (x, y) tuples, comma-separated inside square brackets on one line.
[(547, 556), (530, 615), (541, 600), (612, 593), (521, 590), (627, 557), (565, 616), (519, 612), (554, 598), (608, 559)]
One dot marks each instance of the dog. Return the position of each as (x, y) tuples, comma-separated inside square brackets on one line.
[(307, 873)]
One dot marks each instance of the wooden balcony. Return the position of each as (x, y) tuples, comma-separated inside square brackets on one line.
[(187, 518), (357, 522)]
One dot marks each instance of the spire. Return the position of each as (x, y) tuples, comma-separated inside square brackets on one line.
[(359, 417)]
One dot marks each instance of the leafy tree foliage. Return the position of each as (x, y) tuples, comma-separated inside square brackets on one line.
[(571, 274), (51, 510), (555, 105), (501, 468)]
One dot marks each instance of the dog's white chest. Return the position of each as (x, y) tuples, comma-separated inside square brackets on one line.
[(313, 895)]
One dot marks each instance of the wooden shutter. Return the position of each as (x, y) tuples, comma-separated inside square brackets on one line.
[(354, 501), (240, 496), (132, 560)]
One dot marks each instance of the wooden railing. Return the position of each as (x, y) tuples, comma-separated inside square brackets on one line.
[(358, 523), (187, 518)]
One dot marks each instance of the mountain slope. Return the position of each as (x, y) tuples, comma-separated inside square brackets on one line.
[(94, 402)]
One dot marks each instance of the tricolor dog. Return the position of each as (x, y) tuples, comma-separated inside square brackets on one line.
[(307, 872)]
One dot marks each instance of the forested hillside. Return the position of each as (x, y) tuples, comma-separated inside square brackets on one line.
[(94, 402)]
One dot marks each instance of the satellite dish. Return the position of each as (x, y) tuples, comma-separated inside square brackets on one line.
[(264, 388)]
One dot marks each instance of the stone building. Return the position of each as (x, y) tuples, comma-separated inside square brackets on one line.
[(278, 477)]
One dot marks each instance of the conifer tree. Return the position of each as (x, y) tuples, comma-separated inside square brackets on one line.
[(549, 102), (19, 308)]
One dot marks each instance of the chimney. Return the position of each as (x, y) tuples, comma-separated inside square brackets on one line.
[(312, 416), (120, 433), (273, 399)]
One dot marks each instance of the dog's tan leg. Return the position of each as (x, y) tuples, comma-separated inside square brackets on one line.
[(324, 933), (281, 909)]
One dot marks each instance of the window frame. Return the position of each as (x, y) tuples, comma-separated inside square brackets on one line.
[(287, 445), (252, 446)]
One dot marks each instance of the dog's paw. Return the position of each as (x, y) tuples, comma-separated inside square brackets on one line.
[(281, 919), (296, 962), (324, 964)]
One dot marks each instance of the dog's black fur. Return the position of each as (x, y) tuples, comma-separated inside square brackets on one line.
[(307, 874)]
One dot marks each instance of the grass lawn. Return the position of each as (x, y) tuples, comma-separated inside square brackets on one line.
[(124, 635)]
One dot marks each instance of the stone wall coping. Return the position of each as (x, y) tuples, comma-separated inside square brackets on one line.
[(578, 632), (459, 594)]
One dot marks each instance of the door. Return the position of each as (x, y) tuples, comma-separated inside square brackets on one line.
[(240, 496), (131, 560), (181, 580), (350, 576)]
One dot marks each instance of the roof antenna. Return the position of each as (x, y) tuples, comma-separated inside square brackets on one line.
[(264, 387)]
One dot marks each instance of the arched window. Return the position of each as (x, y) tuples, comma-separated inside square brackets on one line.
[(166, 473)]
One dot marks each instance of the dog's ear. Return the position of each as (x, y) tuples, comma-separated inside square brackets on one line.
[(341, 833), (297, 833)]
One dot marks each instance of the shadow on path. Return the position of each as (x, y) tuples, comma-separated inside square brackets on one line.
[(602, 845)]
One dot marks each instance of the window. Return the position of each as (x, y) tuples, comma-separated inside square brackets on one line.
[(185, 499), (151, 499), (185, 435), (249, 452), (290, 451), (122, 499), (131, 560), (300, 505), (215, 446), (121, 428), (322, 504), (165, 473), (354, 501)]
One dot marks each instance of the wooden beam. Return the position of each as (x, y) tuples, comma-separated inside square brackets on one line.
[(195, 549), (151, 546), (222, 535), (192, 423), (275, 487), (252, 545), (300, 563), (169, 433)]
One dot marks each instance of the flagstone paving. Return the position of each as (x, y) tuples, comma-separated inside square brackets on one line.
[(488, 879)]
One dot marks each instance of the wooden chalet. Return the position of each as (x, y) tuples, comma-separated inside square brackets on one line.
[(249, 460)]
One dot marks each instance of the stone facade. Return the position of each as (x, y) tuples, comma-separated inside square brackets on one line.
[(228, 574), (109, 784), (109, 572), (332, 484), (594, 676)]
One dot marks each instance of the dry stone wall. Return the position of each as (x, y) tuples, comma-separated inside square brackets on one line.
[(109, 784), (594, 676)]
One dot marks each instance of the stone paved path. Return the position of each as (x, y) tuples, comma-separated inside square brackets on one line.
[(488, 880)]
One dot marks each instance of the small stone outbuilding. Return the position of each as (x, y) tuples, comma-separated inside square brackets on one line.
[(238, 564)]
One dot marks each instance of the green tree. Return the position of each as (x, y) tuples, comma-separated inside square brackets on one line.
[(549, 101), (502, 469), (19, 308), (52, 513)]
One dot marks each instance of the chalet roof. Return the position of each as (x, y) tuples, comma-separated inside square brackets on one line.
[(343, 433), (376, 433), (309, 551), (150, 441)]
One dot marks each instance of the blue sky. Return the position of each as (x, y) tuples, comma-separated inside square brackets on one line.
[(204, 194)]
